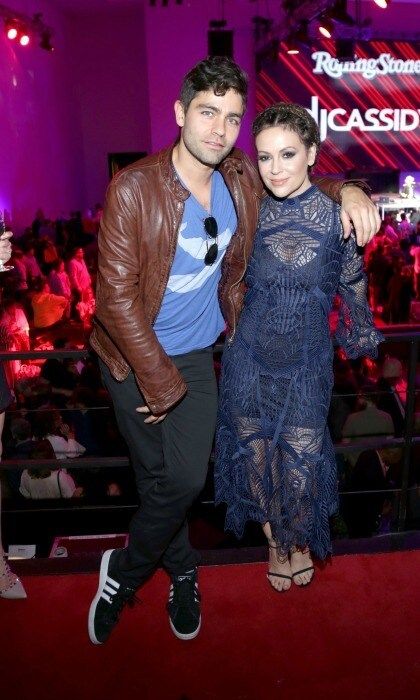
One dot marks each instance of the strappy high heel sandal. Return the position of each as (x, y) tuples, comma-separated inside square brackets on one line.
[(302, 571), (283, 576)]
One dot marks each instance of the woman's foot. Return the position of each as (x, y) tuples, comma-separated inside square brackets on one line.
[(279, 571), (302, 567)]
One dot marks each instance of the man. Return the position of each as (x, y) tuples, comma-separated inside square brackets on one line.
[(78, 273), (166, 226), (367, 422)]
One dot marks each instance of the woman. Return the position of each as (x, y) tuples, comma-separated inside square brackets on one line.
[(49, 425), (42, 482), (274, 457)]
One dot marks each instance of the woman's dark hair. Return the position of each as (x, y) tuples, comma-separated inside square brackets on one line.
[(45, 423), (217, 73), (42, 450), (290, 116)]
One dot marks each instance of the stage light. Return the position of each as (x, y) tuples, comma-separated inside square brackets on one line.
[(383, 4), (12, 33), (291, 46), (25, 29), (11, 28), (326, 27), (24, 39)]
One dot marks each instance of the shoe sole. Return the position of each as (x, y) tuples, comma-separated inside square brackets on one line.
[(103, 572), (185, 637)]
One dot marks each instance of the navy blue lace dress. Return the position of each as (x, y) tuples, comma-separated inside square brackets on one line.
[(274, 457)]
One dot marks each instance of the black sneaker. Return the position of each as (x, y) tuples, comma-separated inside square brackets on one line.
[(184, 605), (108, 602)]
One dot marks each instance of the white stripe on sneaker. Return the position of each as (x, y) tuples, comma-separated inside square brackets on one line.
[(111, 587)]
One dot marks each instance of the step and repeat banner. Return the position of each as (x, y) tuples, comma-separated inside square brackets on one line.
[(367, 108)]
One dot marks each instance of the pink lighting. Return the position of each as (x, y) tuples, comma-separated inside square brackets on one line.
[(12, 33), (383, 4), (24, 40)]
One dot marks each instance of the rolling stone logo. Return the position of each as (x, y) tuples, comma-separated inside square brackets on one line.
[(369, 68)]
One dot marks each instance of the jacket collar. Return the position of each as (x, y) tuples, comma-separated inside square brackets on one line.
[(232, 162)]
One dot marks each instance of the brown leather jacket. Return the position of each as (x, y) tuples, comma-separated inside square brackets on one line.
[(137, 242)]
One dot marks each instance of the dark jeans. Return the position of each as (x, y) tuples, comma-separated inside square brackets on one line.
[(170, 461)]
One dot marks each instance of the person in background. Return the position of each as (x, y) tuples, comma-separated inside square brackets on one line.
[(379, 269), (390, 389), (48, 308), (59, 282), (20, 448), (43, 482), (49, 425), (60, 373), (19, 275), (18, 325), (405, 229), (367, 422), (33, 271), (79, 276), (375, 470), (390, 227), (415, 254)]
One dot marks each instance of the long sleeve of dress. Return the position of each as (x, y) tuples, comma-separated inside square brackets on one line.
[(356, 332)]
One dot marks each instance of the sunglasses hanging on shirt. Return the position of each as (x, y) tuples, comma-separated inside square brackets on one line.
[(210, 227)]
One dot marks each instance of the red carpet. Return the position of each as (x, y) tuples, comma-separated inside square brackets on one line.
[(354, 633)]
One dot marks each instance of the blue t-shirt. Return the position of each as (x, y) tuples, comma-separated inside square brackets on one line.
[(190, 317)]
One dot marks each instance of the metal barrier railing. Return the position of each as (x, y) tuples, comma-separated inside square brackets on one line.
[(396, 334)]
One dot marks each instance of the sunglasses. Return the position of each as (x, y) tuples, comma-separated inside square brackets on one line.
[(210, 226)]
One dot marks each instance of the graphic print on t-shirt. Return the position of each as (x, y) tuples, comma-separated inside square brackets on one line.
[(197, 248), (190, 316)]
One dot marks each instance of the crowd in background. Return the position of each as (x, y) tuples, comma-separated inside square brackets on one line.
[(62, 411), (392, 262)]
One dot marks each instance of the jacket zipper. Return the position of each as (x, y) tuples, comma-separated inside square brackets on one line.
[(179, 205)]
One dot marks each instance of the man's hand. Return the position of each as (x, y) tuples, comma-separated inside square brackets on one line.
[(5, 247), (359, 211), (151, 418)]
